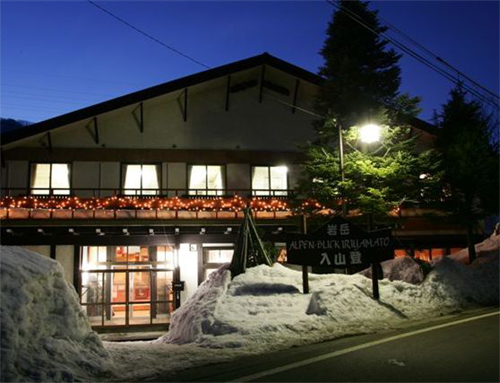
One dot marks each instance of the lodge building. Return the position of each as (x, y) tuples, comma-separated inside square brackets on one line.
[(140, 197)]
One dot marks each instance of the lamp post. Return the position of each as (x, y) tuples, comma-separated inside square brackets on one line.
[(368, 133), (342, 174)]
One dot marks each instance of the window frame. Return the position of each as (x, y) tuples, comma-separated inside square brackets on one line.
[(50, 188), (212, 265), (223, 176), (123, 173), (286, 192)]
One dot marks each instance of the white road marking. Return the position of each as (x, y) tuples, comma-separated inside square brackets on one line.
[(396, 362), (348, 350)]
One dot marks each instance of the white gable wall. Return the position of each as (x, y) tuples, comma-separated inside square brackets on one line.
[(247, 125)]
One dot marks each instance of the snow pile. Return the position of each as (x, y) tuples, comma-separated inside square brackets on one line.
[(400, 269), (45, 335), (264, 309), (489, 248), (197, 316)]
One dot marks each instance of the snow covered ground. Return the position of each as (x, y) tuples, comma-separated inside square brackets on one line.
[(260, 311)]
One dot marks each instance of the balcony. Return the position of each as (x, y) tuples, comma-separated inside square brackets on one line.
[(150, 204)]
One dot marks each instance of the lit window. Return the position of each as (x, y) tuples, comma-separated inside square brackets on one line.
[(215, 257), (206, 180), (50, 179), (269, 180), (141, 179)]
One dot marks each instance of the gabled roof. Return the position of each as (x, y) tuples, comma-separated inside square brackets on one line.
[(172, 86), (158, 90)]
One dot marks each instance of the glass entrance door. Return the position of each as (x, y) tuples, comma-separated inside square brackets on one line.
[(127, 285)]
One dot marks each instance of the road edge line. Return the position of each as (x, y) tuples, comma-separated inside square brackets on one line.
[(348, 350)]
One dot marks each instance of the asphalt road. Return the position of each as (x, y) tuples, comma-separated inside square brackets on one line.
[(460, 348)]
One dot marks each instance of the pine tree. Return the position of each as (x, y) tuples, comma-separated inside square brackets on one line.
[(362, 80), (361, 74), (470, 160)]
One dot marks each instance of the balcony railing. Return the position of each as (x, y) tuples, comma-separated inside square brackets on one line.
[(145, 193), (87, 203)]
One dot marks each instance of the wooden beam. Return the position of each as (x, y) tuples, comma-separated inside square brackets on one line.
[(46, 142), (295, 94), (228, 87), (261, 91), (94, 133), (139, 120), (142, 117), (49, 141), (185, 104)]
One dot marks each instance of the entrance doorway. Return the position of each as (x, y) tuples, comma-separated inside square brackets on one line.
[(127, 285)]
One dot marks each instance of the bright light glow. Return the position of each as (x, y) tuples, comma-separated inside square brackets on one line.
[(132, 179), (133, 176), (60, 178), (206, 177), (423, 176), (149, 179), (369, 133), (42, 178), (267, 180)]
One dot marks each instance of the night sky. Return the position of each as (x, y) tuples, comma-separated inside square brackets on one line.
[(64, 55)]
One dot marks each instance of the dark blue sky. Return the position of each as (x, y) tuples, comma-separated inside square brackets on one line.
[(60, 56)]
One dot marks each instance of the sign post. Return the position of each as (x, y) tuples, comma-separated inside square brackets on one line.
[(305, 275), (340, 244)]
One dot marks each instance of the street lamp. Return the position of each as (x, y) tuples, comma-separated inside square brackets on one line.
[(368, 134)]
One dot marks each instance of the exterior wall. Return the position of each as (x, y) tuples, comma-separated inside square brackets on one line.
[(85, 175), (238, 176), (18, 174), (110, 177), (65, 256), (43, 250), (177, 173), (188, 264), (3, 176)]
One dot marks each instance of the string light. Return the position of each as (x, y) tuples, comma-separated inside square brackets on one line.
[(216, 204)]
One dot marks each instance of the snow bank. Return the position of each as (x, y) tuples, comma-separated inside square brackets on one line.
[(400, 269), (489, 248), (197, 316), (264, 309), (45, 335)]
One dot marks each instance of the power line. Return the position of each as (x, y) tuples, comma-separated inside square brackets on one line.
[(436, 57), (412, 53), (148, 35), (415, 55), (59, 101), (74, 77), (43, 97), (2, 85)]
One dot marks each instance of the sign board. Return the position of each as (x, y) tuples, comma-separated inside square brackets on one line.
[(340, 244)]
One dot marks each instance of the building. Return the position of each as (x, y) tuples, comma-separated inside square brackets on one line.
[(141, 196)]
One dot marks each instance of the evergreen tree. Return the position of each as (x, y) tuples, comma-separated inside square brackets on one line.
[(470, 160), (361, 74), (361, 86)]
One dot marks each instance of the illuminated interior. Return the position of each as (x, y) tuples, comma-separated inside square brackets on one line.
[(127, 285), (206, 180), (269, 180), (141, 179), (50, 176), (214, 257)]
